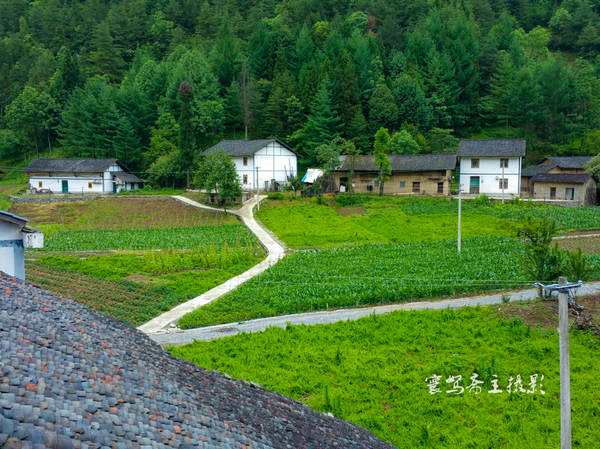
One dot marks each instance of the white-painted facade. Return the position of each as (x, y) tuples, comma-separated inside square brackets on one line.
[(82, 183), (274, 162), (15, 236), (482, 175)]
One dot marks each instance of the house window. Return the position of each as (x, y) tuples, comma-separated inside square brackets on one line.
[(245, 163), (89, 185), (503, 163), (570, 194), (376, 183), (474, 163), (40, 184), (416, 187), (503, 184), (245, 179), (552, 193), (402, 184), (440, 187), (442, 173)]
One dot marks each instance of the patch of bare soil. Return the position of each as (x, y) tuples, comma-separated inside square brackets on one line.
[(544, 313), (137, 278), (6, 188), (351, 211), (581, 233), (588, 245)]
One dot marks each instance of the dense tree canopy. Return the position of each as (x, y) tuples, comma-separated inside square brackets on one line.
[(85, 78)]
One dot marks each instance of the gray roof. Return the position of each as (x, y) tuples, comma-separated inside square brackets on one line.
[(571, 178), (45, 165), (11, 218), (237, 148), (537, 169), (403, 163), (492, 148), (570, 162), (72, 376), (127, 177)]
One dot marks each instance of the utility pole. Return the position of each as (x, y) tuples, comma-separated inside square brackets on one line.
[(459, 210), (381, 181), (565, 369)]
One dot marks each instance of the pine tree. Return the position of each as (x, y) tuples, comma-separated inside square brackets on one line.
[(225, 55), (186, 140), (105, 59), (412, 105), (232, 110), (323, 122), (497, 106), (383, 111), (126, 143)]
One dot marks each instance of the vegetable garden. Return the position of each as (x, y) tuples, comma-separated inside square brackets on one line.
[(372, 274)]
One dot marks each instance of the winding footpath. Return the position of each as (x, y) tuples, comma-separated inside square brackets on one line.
[(275, 252)]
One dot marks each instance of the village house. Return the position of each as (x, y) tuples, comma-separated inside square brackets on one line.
[(414, 174), (80, 176), (561, 179), (491, 167), (264, 163), (15, 236)]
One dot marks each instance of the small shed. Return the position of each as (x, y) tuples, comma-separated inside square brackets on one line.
[(15, 236)]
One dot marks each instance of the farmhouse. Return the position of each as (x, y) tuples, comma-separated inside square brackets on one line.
[(542, 180), (263, 163), (80, 176), (491, 166), (15, 235), (418, 174)]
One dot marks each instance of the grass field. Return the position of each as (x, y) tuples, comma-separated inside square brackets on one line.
[(372, 372), (117, 213)]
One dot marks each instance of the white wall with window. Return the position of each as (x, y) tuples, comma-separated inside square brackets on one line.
[(487, 175), (274, 161)]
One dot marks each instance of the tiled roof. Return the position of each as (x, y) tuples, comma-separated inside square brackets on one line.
[(492, 148), (570, 162), (127, 177), (537, 169), (74, 378), (237, 148), (45, 165), (562, 178), (403, 163)]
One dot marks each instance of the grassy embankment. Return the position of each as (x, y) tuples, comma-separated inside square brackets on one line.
[(372, 372), (135, 258)]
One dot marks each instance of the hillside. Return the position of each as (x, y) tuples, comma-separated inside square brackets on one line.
[(90, 79)]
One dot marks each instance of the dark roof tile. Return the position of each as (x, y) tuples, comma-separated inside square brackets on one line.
[(537, 169), (562, 178), (570, 162), (404, 163), (46, 165), (237, 148), (127, 177), (492, 148)]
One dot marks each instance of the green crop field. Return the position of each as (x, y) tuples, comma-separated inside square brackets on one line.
[(372, 274), (167, 278), (372, 372), (361, 219), (150, 238)]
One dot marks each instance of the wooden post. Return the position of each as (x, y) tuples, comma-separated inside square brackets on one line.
[(565, 370)]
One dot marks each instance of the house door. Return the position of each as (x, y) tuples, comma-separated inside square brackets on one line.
[(570, 194), (65, 187), (474, 185), (552, 193), (114, 187)]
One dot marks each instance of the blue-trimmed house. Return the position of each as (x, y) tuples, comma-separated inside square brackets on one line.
[(15, 236)]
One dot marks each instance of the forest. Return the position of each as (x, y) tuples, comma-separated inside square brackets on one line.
[(155, 83)]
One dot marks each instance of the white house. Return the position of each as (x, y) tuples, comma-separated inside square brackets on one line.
[(488, 166), (15, 236), (266, 163), (80, 176)]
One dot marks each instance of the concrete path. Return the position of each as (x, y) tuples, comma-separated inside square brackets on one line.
[(275, 252), (181, 337)]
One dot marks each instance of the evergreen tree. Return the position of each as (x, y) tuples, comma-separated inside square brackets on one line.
[(232, 110), (383, 111), (126, 144), (225, 55), (498, 105), (323, 123), (186, 139), (105, 58), (412, 104)]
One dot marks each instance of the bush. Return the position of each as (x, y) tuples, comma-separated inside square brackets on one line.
[(276, 196), (350, 201)]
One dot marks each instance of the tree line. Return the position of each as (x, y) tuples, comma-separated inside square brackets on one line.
[(104, 79)]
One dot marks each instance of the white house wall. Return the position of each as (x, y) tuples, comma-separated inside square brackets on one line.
[(77, 184), (489, 170), (12, 253), (273, 161)]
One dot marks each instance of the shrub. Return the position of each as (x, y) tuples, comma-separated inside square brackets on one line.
[(350, 201), (276, 196)]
